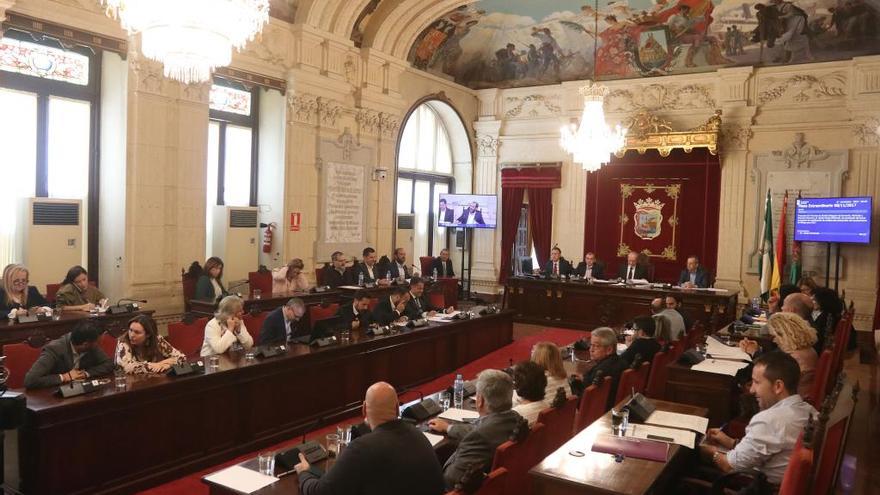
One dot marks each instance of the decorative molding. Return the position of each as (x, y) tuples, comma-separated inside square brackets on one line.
[(367, 120), (328, 110), (148, 75), (388, 124), (487, 145), (648, 131), (534, 103), (660, 97), (800, 154), (251, 78), (736, 137), (198, 93), (66, 34), (302, 107), (867, 133), (801, 88)]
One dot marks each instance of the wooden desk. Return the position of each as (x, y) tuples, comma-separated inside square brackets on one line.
[(163, 428), (715, 392), (578, 304), (562, 473), (14, 333)]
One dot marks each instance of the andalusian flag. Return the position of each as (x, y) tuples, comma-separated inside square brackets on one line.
[(765, 269), (794, 272), (779, 258)]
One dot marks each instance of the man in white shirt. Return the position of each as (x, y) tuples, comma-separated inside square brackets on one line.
[(676, 321), (772, 433), (471, 215), (399, 268)]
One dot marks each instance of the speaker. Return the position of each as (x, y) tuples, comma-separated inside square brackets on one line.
[(184, 369), (640, 408)]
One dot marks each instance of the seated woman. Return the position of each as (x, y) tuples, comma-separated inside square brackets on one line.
[(643, 342), (549, 358), (16, 296), (529, 383), (226, 328), (75, 293), (141, 350), (209, 287), (796, 337), (828, 310), (289, 278)]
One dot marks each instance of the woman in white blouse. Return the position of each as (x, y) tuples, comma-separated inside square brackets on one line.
[(226, 328), (529, 383), (549, 358), (290, 278), (141, 350)]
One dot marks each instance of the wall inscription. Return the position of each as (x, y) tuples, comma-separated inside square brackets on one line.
[(344, 203)]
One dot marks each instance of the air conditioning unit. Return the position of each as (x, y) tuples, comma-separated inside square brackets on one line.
[(52, 235), (405, 238), (235, 241)]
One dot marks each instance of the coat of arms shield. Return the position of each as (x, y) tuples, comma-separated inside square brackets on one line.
[(648, 218)]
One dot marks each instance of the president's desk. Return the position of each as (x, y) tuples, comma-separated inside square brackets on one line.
[(162, 428), (578, 304)]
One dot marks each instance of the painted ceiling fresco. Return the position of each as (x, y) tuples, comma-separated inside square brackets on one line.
[(283, 9), (508, 43)]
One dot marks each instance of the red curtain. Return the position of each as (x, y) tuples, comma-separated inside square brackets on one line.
[(541, 221), (877, 299), (511, 206)]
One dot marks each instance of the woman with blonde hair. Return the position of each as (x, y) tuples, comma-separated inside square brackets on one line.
[(548, 356), (226, 328), (289, 278), (16, 296), (794, 336)]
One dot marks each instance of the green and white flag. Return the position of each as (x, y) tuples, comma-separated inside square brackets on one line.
[(765, 270)]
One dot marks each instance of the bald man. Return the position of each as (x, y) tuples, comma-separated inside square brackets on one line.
[(395, 458), (799, 304)]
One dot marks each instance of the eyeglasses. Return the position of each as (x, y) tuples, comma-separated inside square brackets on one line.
[(21, 281)]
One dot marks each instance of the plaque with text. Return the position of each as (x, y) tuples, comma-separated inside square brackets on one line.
[(344, 203)]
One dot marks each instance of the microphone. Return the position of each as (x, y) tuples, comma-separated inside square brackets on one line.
[(126, 299), (235, 286), (118, 309), (311, 427)]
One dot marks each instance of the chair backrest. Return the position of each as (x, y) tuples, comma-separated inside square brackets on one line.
[(592, 405), (558, 423), (632, 379), (374, 301), (493, 484), (796, 479), (254, 323), (656, 385), (318, 312), (822, 378), (189, 288), (425, 263), (19, 359), (437, 298), (260, 280), (319, 275), (51, 291), (694, 336), (188, 338), (518, 458), (841, 339), (107, 343), (837, 414)]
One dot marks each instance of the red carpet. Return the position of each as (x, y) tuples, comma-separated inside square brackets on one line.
[(519, 350)]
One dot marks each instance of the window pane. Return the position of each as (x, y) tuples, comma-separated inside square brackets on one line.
[(226, 99), (407, 157), (237, 179), (43, 61), (69, 131), (426, 139), (18, 165), (443, 159), (439, 232), (422, 204), (211, 198), (404, 196)]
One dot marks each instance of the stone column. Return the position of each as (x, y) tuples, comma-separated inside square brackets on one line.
[(734, 181), (487, 180)]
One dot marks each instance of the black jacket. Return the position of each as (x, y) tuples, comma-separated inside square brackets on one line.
[(448, 216), (384, 313), (395, 271), (205, 290), (34, 299), (611, 366), (274, 331), (394, 459), (701, 277), (57, 358), (643, 347), (442, 271), (331, 277), (598, 269), (640, 272), (416, 306), (478, 218), (362, 268), (346, 312), (564, 268)]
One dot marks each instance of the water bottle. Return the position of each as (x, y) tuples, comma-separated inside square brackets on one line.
[(361, 279), (388, 276), (458, 394), (435, 274)]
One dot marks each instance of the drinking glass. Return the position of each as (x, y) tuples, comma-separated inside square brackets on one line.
[(445, 399), (213, 362), (258, 294), (332, 444), (56, 313), (266, 461), (120, 380), (619, 421), (250, 356)]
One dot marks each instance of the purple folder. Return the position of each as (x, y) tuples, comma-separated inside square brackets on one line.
[(632, 447)]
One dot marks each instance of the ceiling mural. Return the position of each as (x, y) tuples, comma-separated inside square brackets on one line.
[(360, 25), (509, 43), (283, 9)]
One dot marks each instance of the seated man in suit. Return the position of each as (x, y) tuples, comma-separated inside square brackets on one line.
[(673, 301), (357, 314), (392, 308), (632, 269), (603, 355), (400, 270), (677, 328), (472, 215), (394, 458), (694, 275), (590, 267), (75, 356), (477, 442), (334, 273), (367, 268), (641, 344), (442, 265), (445, 214), (418, 305), (557, 266), (281, 324), (772, 433)]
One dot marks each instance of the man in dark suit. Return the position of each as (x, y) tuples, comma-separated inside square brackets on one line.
[(472, 215), (694, 275), (603, 352), (643, 343), (391, 308), (673, 301), (281, 324), (75, 356), (442, 265), (477, 442), (418, 305), (557, 266), (399, 269), (357, 314), (590, 267), (334, 273), (394, 458), (368, 268), (632, 269), (445, 214)]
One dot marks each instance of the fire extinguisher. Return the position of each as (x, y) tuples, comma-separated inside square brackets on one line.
[(267, 237)]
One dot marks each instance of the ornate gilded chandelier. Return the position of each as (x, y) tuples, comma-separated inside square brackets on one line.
[(190, 37), (592, 143)]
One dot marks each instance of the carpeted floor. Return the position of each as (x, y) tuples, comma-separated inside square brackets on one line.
[(519, 350)]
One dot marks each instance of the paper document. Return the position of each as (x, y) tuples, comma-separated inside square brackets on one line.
[(353, 287), (678, 420), (241, 479), (718, 349), (685, 438), (434, 439), (720, 366), (454, 414)]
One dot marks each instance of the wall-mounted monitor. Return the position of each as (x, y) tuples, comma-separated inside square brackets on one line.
[(833, 220), (477, 211)]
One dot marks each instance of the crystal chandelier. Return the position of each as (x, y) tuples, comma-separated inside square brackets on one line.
[(190, 37), (592, 143)]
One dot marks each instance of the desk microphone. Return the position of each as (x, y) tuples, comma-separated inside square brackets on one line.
[(126, 299), (311, 427), (235, 286)]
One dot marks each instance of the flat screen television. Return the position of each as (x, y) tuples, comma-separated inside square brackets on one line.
[(478, 211), (833, 220)]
